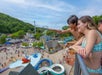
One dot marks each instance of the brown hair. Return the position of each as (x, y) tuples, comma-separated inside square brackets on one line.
[(72, 19), (89, 20)]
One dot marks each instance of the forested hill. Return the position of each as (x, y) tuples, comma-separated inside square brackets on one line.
[(9, 24)]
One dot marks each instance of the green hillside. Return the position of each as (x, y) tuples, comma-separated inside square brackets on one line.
[(9, 24)]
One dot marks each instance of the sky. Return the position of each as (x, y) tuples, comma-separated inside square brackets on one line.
[(50, 13)]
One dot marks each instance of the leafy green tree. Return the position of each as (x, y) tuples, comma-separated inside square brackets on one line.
[(97, 18), (40, 44), (35, 44), (14, 35), (25, 44), (37, 35), (3, 39), (19, 34), (29, 31), (9, 24), (65, 27), (51, 33)]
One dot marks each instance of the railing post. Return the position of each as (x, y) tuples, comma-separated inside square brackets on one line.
[(82, 65), (77, 70)]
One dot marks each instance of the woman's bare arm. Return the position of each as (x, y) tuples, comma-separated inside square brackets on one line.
[(90, 42), (77, 45)]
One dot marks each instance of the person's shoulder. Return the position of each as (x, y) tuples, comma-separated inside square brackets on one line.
[(93, 30), (93, 33)]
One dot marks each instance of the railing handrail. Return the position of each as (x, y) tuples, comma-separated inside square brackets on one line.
[(80, 66)]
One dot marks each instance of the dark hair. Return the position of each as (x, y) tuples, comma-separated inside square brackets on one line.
[(73, 19), (100, 21), (89, 20)]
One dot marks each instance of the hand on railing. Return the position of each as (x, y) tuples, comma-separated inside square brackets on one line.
[(79, 50)]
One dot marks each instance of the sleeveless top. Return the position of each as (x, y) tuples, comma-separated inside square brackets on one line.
[(97, 47)]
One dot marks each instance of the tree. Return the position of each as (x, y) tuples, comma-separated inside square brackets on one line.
[(97, 18), (37, 35), (9, 24), (25, 44), (65, 27), (19, 34), (50, 33), (3, 39)]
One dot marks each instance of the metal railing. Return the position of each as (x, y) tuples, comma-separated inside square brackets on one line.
[(80, 67)]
